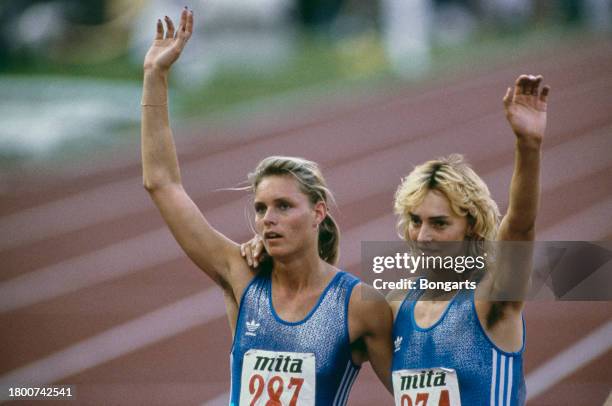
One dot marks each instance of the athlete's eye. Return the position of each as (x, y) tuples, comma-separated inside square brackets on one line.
[(260, 208), (415, 220), (283, 206), (440, 224)]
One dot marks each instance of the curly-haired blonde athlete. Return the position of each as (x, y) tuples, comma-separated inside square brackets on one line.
[(465, 346)]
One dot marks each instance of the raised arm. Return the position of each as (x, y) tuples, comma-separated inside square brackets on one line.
[(501, 293), (211, 251), (525, 108)]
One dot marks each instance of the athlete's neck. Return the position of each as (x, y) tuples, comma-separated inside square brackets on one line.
[(299, 274)]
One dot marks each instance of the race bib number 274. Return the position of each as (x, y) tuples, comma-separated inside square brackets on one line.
[(426, 387), (277, 378)]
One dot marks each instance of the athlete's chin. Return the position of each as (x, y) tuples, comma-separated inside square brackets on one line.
[(278, 251)]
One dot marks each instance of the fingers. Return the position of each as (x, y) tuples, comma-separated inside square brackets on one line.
[(258, 251), (186, 27), (544, 94), (528, 85), (170, 25), (519, 85), (184, 30), (508, 97), (159, 34), (535, 84), (252, 252), (255, 249), (184, 14), (189, 24), (245, 251)]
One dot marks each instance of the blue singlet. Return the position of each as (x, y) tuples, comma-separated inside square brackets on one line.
[(307, 361)]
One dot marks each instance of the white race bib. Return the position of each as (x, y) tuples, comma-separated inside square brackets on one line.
[(277, 378), (426, 387)]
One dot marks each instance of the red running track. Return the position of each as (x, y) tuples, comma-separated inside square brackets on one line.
[(95, 293)]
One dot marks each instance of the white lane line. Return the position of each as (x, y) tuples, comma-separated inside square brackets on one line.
[(94, 206), (219, 400), (133, 335), (103, 203), (585, 225), (157, 246), (105, 264), (257, 112), (108, 263), (166, 322), (71, 213), (571, 359)]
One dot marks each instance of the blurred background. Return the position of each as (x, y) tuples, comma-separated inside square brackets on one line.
[(65, 63), (94, 292)]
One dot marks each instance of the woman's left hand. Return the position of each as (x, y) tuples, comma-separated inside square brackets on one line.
[(525, 108)]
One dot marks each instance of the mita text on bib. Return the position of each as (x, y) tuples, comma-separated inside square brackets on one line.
[(426, 387), (278, 378)]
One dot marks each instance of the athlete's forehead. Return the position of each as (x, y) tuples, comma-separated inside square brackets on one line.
[(435, 205), (278, 187)]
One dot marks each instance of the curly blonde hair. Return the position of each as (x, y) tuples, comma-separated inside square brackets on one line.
[(466, 191)]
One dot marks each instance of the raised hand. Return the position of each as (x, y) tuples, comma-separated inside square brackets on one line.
[(168, 45), (525, 108)]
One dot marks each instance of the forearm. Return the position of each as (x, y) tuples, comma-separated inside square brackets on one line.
[(159, 160), (524, 187)]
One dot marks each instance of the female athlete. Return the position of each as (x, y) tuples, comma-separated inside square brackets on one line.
[(465, 346), (301, 328)]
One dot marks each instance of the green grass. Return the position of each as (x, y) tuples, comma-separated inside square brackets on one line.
[(361, 60), (316, 61), (346, 64), (116, 68)]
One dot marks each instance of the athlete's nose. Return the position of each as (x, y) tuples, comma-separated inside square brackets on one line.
[(269, 217), (425, 234)]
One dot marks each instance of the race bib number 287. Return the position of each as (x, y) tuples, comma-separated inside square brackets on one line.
[(277, 378), (426, 387)]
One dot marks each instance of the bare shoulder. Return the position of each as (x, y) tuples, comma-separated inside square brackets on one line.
[(395, 299), (240, 274), (366, 297), (368, 309)]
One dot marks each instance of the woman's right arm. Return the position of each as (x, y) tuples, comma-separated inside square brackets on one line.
[(215, 254)]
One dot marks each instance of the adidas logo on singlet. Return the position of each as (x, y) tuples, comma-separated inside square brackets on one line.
[(252, 327), (398, 343)]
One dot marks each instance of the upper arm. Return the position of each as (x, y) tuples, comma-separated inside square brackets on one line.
[(509, 277), (509, 231), (374, 323), (503, 290), (211, 251)]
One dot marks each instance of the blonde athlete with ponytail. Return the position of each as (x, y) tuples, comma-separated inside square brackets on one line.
[(301, 328)]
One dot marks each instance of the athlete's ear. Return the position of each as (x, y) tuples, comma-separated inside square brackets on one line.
[(320, 212)]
